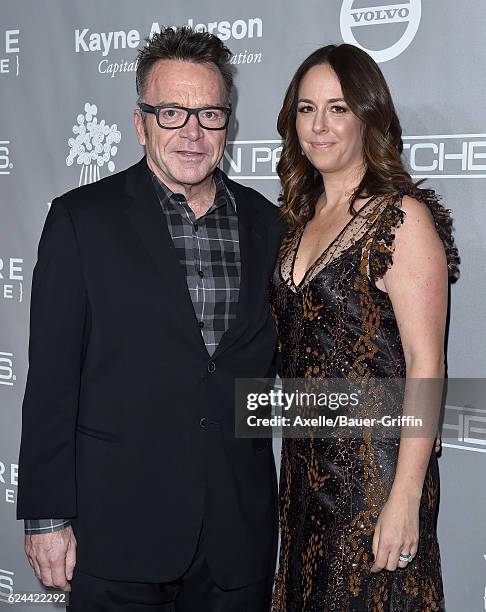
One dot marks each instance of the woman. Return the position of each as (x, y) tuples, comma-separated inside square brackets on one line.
[(360, 292)]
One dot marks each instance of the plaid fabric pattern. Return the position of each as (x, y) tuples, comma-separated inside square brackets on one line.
[(45, 525), (209, 252)]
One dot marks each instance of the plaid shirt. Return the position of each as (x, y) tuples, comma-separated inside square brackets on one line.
[(209, 253)]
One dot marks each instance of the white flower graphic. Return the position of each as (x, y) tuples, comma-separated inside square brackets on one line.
[(88, 148)]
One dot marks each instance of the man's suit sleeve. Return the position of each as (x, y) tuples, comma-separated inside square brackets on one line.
[(49, 411)]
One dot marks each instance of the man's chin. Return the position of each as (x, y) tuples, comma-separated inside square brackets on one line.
[(192, 176)]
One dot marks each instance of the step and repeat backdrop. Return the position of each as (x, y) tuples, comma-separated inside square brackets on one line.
[(67, 69)]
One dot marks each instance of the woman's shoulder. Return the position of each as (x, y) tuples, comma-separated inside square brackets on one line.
[(423, 208)]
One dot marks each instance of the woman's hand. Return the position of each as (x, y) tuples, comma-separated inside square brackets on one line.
[(396, 532)]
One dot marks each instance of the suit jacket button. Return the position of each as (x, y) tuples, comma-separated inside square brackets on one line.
[(211, 367), (202, 422)]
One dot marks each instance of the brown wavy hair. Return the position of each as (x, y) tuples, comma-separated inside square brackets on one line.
[(368, 96)]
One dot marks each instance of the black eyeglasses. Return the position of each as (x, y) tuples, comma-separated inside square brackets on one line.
[(171, 117)]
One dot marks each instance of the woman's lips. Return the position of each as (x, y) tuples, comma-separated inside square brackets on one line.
[(322, 145)]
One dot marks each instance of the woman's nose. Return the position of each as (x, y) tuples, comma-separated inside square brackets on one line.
[(320, 121)]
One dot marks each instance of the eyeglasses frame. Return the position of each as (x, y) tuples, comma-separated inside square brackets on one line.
[(155, 110)]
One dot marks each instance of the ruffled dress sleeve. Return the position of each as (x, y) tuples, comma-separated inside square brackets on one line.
[(382, 245)]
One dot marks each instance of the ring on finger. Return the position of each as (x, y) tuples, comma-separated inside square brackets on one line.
[(406, 558)]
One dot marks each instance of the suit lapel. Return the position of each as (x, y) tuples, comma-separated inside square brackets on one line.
[(149, 222), (253, 253)]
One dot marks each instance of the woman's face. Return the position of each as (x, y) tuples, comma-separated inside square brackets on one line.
[(329, 133)]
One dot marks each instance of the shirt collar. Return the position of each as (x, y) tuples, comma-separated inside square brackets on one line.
[(222, 196)]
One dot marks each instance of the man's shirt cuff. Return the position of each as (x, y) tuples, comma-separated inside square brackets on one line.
[(32, 526)]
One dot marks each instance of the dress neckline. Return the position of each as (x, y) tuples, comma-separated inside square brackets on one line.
[(297, 286)]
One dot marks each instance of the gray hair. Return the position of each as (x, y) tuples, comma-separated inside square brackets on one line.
[(184, 44)]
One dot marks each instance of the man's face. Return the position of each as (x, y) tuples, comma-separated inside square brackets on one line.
[(185, 156)]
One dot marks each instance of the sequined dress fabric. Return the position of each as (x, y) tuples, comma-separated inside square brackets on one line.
[(337, 323)]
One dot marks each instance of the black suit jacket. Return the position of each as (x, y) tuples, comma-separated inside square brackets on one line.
[(119, 380)]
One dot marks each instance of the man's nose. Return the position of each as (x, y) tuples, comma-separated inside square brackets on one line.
[(320, 123), (192, 130)]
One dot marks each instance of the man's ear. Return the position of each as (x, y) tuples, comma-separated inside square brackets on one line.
[(139, 122)]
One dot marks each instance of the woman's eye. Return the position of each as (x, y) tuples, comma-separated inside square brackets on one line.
[(338, 109), (304, 109)]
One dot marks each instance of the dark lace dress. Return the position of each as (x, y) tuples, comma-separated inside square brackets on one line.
[(337, 323)]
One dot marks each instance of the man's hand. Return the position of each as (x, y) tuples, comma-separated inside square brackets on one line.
[(438, 444), (52, 556)]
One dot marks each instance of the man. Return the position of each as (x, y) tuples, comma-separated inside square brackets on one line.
[(148, 300)]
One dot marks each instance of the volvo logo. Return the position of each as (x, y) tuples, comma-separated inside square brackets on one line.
[(406, 12)]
